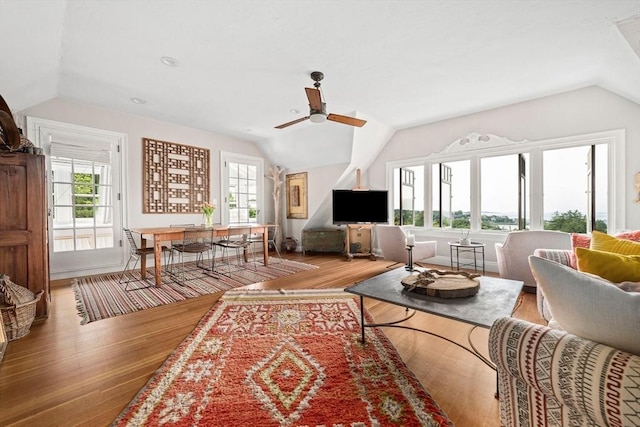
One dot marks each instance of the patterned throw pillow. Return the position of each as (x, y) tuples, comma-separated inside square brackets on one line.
[(589, 307), (579, 240), (608, 265), (630, 235)]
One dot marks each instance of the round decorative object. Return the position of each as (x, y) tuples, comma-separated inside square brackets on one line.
[(289, 244), (442, 284)]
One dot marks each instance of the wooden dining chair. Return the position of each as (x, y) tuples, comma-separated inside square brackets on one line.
[(127, 276)]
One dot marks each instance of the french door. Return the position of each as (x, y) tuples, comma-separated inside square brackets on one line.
[(242, 188), (84, 167)]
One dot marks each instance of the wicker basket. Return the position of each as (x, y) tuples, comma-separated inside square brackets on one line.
[(18, 308)]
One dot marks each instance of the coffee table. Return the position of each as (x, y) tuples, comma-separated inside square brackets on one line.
[(496, 298)]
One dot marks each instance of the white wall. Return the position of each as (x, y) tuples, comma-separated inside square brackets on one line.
[(320, 182), (577, 112), (138, 127)]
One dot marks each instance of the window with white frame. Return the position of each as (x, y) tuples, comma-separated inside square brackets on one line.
[(505, 209), (492, 184), (242, 189)]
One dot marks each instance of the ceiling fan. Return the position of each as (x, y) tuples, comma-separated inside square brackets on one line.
[(318, 109)]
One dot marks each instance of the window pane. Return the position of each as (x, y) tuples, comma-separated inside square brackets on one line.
[(499, 192), (243, 188), (602, 187), (566, 189), (79, 200), (435, 195), (408, 184), (253, 172), (233, 170), (63, 240), (455, 193)]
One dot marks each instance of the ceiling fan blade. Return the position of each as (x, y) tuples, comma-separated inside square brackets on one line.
[(346, 120), (315, 102), (284, 125)]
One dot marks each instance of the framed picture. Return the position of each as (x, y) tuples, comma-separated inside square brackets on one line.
[(297, 195)]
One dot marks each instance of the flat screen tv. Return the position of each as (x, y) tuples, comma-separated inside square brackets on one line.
[(353, 206)]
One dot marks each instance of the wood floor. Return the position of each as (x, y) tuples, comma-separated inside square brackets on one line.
[(67, 374)]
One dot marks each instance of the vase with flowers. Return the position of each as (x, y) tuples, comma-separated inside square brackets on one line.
[(207, 212)]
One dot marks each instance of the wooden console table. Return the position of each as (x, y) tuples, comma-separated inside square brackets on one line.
[(330, 240)]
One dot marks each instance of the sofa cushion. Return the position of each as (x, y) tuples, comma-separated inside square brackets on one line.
[(629, 235), (604, 242), (608, 265), (583, 240), (580, 240), (589, 307)]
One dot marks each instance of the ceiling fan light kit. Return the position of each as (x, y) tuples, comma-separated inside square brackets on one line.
[(318, 118), (318, 109)]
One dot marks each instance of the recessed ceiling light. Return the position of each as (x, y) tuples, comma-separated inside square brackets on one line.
[(138, 101), (169, 61), (294, 111)]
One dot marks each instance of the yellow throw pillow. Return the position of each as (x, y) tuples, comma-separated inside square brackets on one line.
[(608, 265), (604, 242)]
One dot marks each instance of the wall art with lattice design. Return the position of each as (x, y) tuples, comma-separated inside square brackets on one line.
[(176, 177)]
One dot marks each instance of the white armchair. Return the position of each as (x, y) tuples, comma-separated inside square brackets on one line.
[(391, 241), (513, 254)]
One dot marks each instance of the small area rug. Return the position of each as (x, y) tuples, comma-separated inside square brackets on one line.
[(101, 297), (283, 358)]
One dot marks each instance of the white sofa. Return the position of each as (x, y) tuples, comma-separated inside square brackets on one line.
[(391, 242), (513, 254)]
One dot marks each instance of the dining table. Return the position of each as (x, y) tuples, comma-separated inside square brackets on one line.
[(167, 234)]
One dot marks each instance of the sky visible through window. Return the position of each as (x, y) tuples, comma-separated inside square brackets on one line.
[(564, 183)]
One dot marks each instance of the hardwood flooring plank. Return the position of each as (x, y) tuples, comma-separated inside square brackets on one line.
[(67, 374)]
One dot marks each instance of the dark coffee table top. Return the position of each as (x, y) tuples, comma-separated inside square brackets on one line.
[(496, 298)]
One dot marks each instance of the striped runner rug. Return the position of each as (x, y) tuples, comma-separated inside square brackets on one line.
[(102, 297)]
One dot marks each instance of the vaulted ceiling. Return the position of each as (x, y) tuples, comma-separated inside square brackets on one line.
[(243, 65)]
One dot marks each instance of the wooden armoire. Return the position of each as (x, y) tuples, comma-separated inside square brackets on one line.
[(24, 253)]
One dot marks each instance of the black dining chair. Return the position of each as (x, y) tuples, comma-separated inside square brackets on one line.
[(128, 276), (196, 242), (235, 239), (256, 240)]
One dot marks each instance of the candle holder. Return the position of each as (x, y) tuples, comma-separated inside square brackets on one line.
[(409, 266)]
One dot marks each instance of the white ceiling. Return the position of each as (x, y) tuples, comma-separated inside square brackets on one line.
[(244, 64)]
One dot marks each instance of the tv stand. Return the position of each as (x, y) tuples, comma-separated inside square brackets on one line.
[(359, 242)]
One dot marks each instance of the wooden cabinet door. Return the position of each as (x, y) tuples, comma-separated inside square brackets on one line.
[(23, 224)]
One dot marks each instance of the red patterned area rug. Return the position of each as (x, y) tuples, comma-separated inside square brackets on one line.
[(101, 297), (283, 358)]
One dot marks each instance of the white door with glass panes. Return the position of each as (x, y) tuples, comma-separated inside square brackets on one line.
[(242, 188), (84, 175)]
